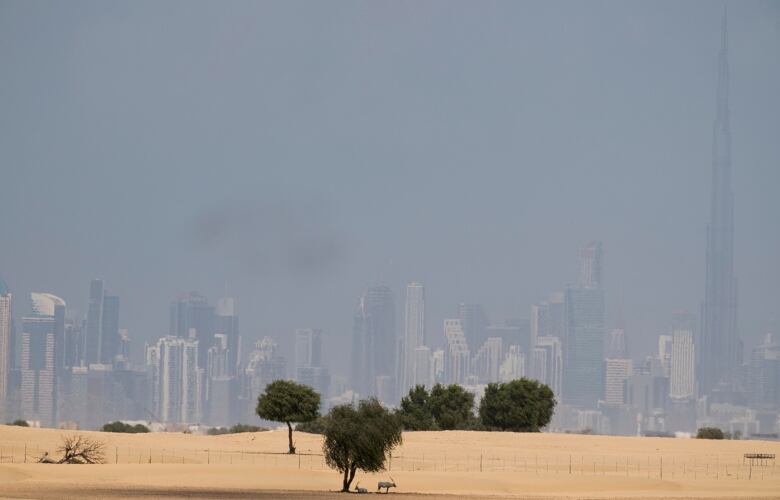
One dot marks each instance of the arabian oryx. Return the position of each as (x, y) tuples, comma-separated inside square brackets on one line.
[(358, 489), (386, 485)]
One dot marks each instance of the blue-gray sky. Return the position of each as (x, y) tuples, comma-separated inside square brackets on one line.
[(299, 151)]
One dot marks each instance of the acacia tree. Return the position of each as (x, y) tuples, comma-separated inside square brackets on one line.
[(452, 406), (288, 402), (359, 437), (522, 405), (415, 411)]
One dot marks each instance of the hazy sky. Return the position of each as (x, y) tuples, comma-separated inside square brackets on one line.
[(300, 151)]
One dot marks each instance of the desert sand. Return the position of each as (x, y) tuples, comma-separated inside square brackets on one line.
[(448, 464)]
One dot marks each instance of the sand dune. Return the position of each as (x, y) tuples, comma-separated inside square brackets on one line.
[(466, 464)]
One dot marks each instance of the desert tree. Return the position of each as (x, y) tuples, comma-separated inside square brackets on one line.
[(288, 402), (521, 405), (78, 449), (452, 407), (359, 437), (415, 411)]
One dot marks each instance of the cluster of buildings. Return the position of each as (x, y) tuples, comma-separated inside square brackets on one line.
[(60, 370)]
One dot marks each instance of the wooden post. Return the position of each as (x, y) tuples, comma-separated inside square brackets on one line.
[(25, 452), (116, 454), (569, 464)]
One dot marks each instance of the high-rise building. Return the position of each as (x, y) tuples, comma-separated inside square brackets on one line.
[(591, 265), (665, 354), (548, 363), (93, 337), (583, 346), (616, 374), (513, 365), (487, 361), (374, 343), (5, 344), (192, 317), (109, 330), (264, 366), (719, 349), (765, 374), (227, 324), (414, 333), (456, 355), (180, 380), (42, 331), (308, 347), (101, 334), (422, 373), (308, 360), (474, 322), (682, 363)]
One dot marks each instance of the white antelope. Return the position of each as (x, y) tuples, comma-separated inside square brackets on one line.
[(358, 489), (386, 485)]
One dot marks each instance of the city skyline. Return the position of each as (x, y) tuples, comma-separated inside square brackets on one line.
[(493, 220), (556, 166)]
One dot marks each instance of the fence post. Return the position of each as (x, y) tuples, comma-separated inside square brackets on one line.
[(662, 467), (116, 454), (570, 465), (208, 456), (480, 462), (299, 461), (25, 452)]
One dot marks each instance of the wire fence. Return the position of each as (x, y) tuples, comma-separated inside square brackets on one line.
[(719, 467)]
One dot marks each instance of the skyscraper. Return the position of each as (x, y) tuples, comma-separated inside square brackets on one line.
[(308, 360), (93, 337), (308, 347), (719, 350), (583, 345), (474, 322), (374, 341), (193, 317), (414, 333), (40, 331), (456, 354), (548, 363), (5, 343), (179, 380), (591, 264), (682, 364), (109, 329), (227, 324)]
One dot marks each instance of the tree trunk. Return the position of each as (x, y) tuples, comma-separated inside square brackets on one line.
[(345, 485), (348, 480), (289, 436)]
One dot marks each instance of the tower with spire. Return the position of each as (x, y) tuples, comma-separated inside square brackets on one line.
[(719, 347)]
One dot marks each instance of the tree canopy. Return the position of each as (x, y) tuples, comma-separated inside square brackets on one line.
[(710, 433), (126, 428), (522, 405), (359, 437), (452, 407), (288, 402), (415, 410)]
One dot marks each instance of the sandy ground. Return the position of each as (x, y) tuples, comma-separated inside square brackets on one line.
[(428, 465)]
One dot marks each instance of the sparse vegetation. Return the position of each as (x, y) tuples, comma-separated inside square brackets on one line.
[(522, 405), (78, 449), (360, 437), (288, 402), (19, 423), (709, 433), (236, 429), (125, 428)]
